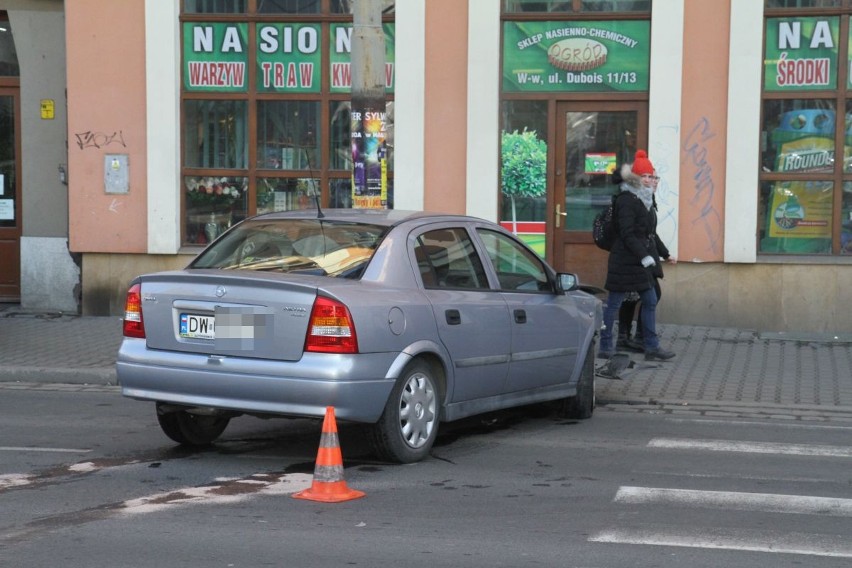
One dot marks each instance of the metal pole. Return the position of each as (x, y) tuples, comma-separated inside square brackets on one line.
[(368, 104)]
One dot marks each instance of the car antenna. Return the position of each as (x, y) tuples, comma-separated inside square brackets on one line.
[(316, 196)]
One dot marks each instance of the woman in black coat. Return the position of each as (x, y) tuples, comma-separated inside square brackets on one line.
[(634, 256), (626, 340)]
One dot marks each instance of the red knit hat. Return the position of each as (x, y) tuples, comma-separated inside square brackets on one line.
[(642, 165)]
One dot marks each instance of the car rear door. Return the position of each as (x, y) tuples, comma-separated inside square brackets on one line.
[(545, 326), (472, 320)]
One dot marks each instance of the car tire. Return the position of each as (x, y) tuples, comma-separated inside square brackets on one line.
[(582, 405), (191, 429), (409, 424)]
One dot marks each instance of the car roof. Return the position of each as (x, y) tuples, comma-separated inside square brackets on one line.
[(382, 217)]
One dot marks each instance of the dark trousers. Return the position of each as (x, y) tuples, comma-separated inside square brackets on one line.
[(627, 312)]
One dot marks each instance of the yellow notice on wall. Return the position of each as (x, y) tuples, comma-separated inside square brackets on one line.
[(47, 109)]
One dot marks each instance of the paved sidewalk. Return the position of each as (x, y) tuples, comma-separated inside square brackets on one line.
[(787, 373)]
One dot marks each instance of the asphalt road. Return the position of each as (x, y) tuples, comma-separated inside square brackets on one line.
[(88, 480)]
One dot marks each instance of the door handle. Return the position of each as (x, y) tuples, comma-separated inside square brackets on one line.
[(453, 317), (520, 316), (559, 215)]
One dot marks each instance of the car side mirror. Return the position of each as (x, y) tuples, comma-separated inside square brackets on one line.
[(567, 282)]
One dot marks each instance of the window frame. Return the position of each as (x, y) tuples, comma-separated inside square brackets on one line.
[(321, 172)]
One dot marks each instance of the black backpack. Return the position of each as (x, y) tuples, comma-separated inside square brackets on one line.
[(603, 227)]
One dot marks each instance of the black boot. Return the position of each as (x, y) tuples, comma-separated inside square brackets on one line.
[(637, 344), (625, 343)]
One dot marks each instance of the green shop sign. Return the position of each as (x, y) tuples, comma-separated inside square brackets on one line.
[(288, 57), (611, 56), (801, 54), (214, 57), (341, 56)]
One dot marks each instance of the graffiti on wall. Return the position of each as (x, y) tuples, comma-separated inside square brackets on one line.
[(91, 139), (703, 212)]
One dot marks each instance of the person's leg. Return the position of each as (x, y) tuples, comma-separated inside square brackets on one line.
[(625, 319), (648, 315), (653, 351), (610, 311), (639, 339)]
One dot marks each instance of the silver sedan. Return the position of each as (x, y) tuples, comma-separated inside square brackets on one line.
[(401, 320)]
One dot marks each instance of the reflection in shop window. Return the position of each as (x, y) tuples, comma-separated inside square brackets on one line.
[(287, 135), (553, 6), (215, 6), (215, 134), (796, 217)]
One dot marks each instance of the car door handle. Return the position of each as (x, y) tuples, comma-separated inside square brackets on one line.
[(520, 316), (453, 317)]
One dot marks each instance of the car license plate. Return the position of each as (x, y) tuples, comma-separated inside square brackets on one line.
[(193, 326)]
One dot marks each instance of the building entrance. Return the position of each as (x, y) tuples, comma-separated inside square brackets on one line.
[(592, 139), (10, 202)]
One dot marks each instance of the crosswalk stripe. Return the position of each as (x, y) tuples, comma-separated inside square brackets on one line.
[(757, 424), (36, 449), (739, 539), (751, 447), (737, 501)]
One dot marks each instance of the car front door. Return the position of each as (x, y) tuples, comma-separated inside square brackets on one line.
[(545, 325), (473, 321)]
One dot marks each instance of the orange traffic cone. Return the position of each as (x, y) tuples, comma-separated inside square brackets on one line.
[(328, 485)]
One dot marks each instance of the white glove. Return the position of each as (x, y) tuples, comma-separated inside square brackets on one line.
[(648, 261)]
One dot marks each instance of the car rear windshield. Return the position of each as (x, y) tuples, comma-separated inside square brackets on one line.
[(315, 246)]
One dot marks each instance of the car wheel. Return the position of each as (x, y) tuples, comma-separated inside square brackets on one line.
[(409, 424), (191, 429), (582, 405)]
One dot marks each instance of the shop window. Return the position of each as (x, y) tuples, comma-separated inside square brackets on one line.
[(806, 134), (215, 6), (345, 6), (215, 134), (288, 6), (846, 219), (799, 135), (8, 55), (266, 121), (573, 6), (287, 135), (523, 170), (796, 217), (212, 203), (777, 4), (286, 194)]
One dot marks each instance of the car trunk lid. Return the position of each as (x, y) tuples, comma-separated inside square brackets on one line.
[(216, 312)]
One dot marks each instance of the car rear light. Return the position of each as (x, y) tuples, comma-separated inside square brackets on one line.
[(331, 329), (133, 324)]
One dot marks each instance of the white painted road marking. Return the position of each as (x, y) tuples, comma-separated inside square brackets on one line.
[(736, 501), (751, 447), (739, 539), (29, 449)]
